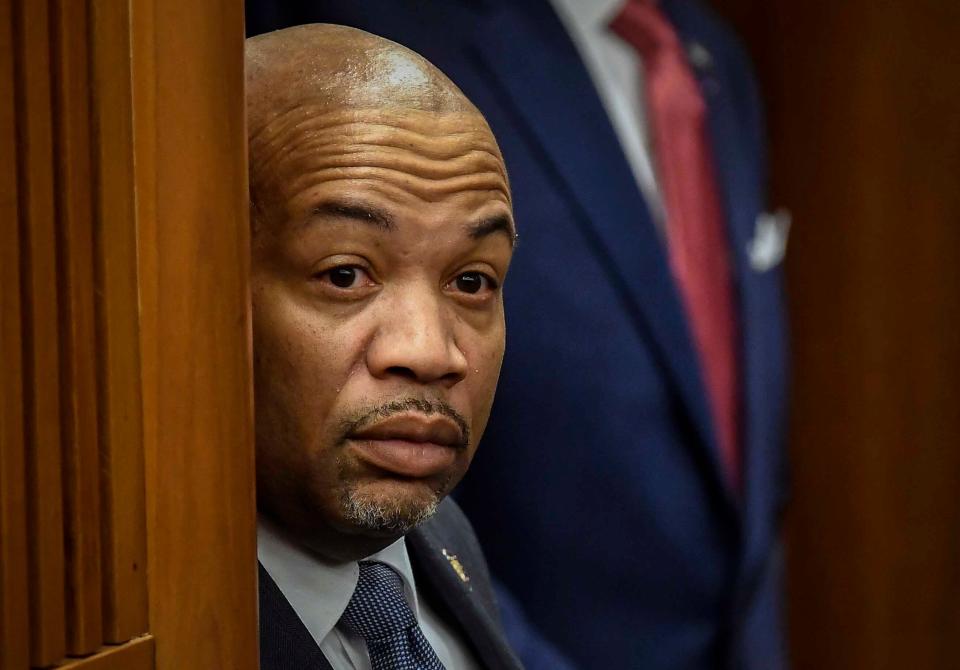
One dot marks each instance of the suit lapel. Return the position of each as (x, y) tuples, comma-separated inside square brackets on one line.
[(285, 643), (437, 577), (566, 123)]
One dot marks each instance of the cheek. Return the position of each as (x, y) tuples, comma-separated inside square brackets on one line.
[(301, 361), (486, 359)]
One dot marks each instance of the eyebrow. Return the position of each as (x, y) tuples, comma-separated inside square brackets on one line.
[(499, 223), (355, 212), (364, 213)]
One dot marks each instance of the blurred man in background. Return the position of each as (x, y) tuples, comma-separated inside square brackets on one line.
[(630, 490)]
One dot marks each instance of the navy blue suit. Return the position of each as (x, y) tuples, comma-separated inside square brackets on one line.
[(597, 493), (468, 605)]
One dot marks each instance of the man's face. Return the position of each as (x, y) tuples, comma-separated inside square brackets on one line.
[(381, 242)]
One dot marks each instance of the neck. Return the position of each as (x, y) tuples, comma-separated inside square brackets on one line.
[(328, 544)]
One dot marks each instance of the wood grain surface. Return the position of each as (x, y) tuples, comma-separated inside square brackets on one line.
[(118, 307), (137, 654), (126, 430), (864, 125), (194, 249), (14, 603), (41, 342), (78, 393)]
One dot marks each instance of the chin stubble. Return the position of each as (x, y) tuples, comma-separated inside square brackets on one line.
[(379, 516), (374, 514)]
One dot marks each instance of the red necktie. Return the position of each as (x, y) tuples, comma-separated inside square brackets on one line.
[(697, 246)]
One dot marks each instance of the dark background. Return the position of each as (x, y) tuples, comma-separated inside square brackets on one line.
[(863, 101)]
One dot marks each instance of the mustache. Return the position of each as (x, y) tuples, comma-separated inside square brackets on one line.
[(371, 415)]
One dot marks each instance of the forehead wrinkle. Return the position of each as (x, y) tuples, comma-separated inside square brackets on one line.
[(301, 142), (375, 126), (390, 158), (426, 190), (322, 152), (307, 168), (330, 147), (324, 115)]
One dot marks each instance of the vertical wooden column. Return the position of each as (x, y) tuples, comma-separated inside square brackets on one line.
[(125, 384), (14, 599), (41, 361), (78, 393), (121, 427), (194, 251)]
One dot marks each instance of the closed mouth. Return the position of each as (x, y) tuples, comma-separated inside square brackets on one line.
[(410, 445)]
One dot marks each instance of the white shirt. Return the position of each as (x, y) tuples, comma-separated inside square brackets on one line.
[(617, 73), (319, 593)]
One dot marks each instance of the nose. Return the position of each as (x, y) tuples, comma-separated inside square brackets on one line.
[(415, 340)]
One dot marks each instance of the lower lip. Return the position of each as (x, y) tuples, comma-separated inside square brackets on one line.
[(408, 459)]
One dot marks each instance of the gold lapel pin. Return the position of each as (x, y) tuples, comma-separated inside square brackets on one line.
[(456, 565)]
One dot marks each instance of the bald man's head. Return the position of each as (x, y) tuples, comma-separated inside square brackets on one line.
[(313, 80), (341, 67), (383, 231)]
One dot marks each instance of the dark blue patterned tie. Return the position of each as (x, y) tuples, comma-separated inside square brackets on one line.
[(380, 615)]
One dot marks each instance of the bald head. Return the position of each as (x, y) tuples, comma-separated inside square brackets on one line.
[(341, 67), (318, 93)]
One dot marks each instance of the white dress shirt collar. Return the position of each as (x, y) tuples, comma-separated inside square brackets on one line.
[(617, 74), (588, 13), (319, 591)]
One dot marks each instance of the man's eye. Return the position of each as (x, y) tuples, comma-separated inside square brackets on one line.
[(345, 276), (474, 282)]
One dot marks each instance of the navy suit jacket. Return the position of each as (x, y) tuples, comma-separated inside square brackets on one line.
[(597, 492), (467, 600)]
